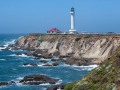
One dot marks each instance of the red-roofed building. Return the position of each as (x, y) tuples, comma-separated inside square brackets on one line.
[(53, 31)]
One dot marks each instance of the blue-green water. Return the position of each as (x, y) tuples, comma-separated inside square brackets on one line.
[(12, 69)]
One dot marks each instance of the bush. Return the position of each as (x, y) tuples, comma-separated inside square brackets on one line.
[(69, 86)]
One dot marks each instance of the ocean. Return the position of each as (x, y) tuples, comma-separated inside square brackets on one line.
[(12, 69)]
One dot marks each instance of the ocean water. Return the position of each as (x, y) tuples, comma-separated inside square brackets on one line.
[(12, 69)]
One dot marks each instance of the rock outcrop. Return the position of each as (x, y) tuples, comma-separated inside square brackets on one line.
[(95, 48), (30, 64), (37, 80), (7, 83), (56, 87), (104, 77)]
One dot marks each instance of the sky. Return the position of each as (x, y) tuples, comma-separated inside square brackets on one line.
[(38, 16)]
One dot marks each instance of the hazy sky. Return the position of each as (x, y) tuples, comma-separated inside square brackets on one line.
[(37, 16)]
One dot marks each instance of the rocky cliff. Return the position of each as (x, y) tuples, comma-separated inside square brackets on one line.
[(91, 48), (104, 77)]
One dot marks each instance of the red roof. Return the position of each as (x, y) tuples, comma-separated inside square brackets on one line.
[(54, 30)]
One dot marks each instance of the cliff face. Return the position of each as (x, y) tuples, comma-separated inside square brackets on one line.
[(95, 47), (104, 77)]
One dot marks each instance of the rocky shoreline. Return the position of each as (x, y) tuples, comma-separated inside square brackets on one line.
[(68, 49), (32, 80)]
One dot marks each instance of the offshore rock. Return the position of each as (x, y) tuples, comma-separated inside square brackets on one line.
[(53, 64), (56, 87), (18, 53), (30, 64), (43, 61), (29, 53), (3, 83), (7, 83), (38, 79), (78, 62), (54, 60)]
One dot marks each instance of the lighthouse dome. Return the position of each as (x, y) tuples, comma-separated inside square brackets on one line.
[(72, 9)]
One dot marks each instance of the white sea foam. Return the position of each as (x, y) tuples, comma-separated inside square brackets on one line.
[(59, 82), (9, 42), (41, 65), (45, 84), (2, 48), (12, 55), (80, 68), (27, 66), (19, 84), (23, 55), (19, 78), (88, 68), (2, 59), (65, 65)]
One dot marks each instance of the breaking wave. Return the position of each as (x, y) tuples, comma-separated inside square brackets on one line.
[(6, 44), (9, 42)]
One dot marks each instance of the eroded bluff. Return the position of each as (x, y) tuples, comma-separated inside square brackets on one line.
[(93, 48)]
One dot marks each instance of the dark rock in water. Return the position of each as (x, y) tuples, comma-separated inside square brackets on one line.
[(38, 79), (18, 53), (56, 87), (28, 48), (37, 57), (30, 64), (78, 62), (67, 56), (28, 53), (38, 51), (39, 54), (43, 61), (45, 55), (42, 54), (11, 45), (3, 83), (7, 48), (53, 64), (14, 48), (12, 82), (7, 83), (54, 60)]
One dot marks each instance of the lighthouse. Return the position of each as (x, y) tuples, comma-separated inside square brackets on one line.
[(72, 14)]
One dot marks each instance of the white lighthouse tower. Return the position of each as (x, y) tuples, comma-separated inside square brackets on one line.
[(72, 29)]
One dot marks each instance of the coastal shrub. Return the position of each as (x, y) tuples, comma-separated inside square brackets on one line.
[(41, 38), (53, 39), (69, 86), (110, 86)]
